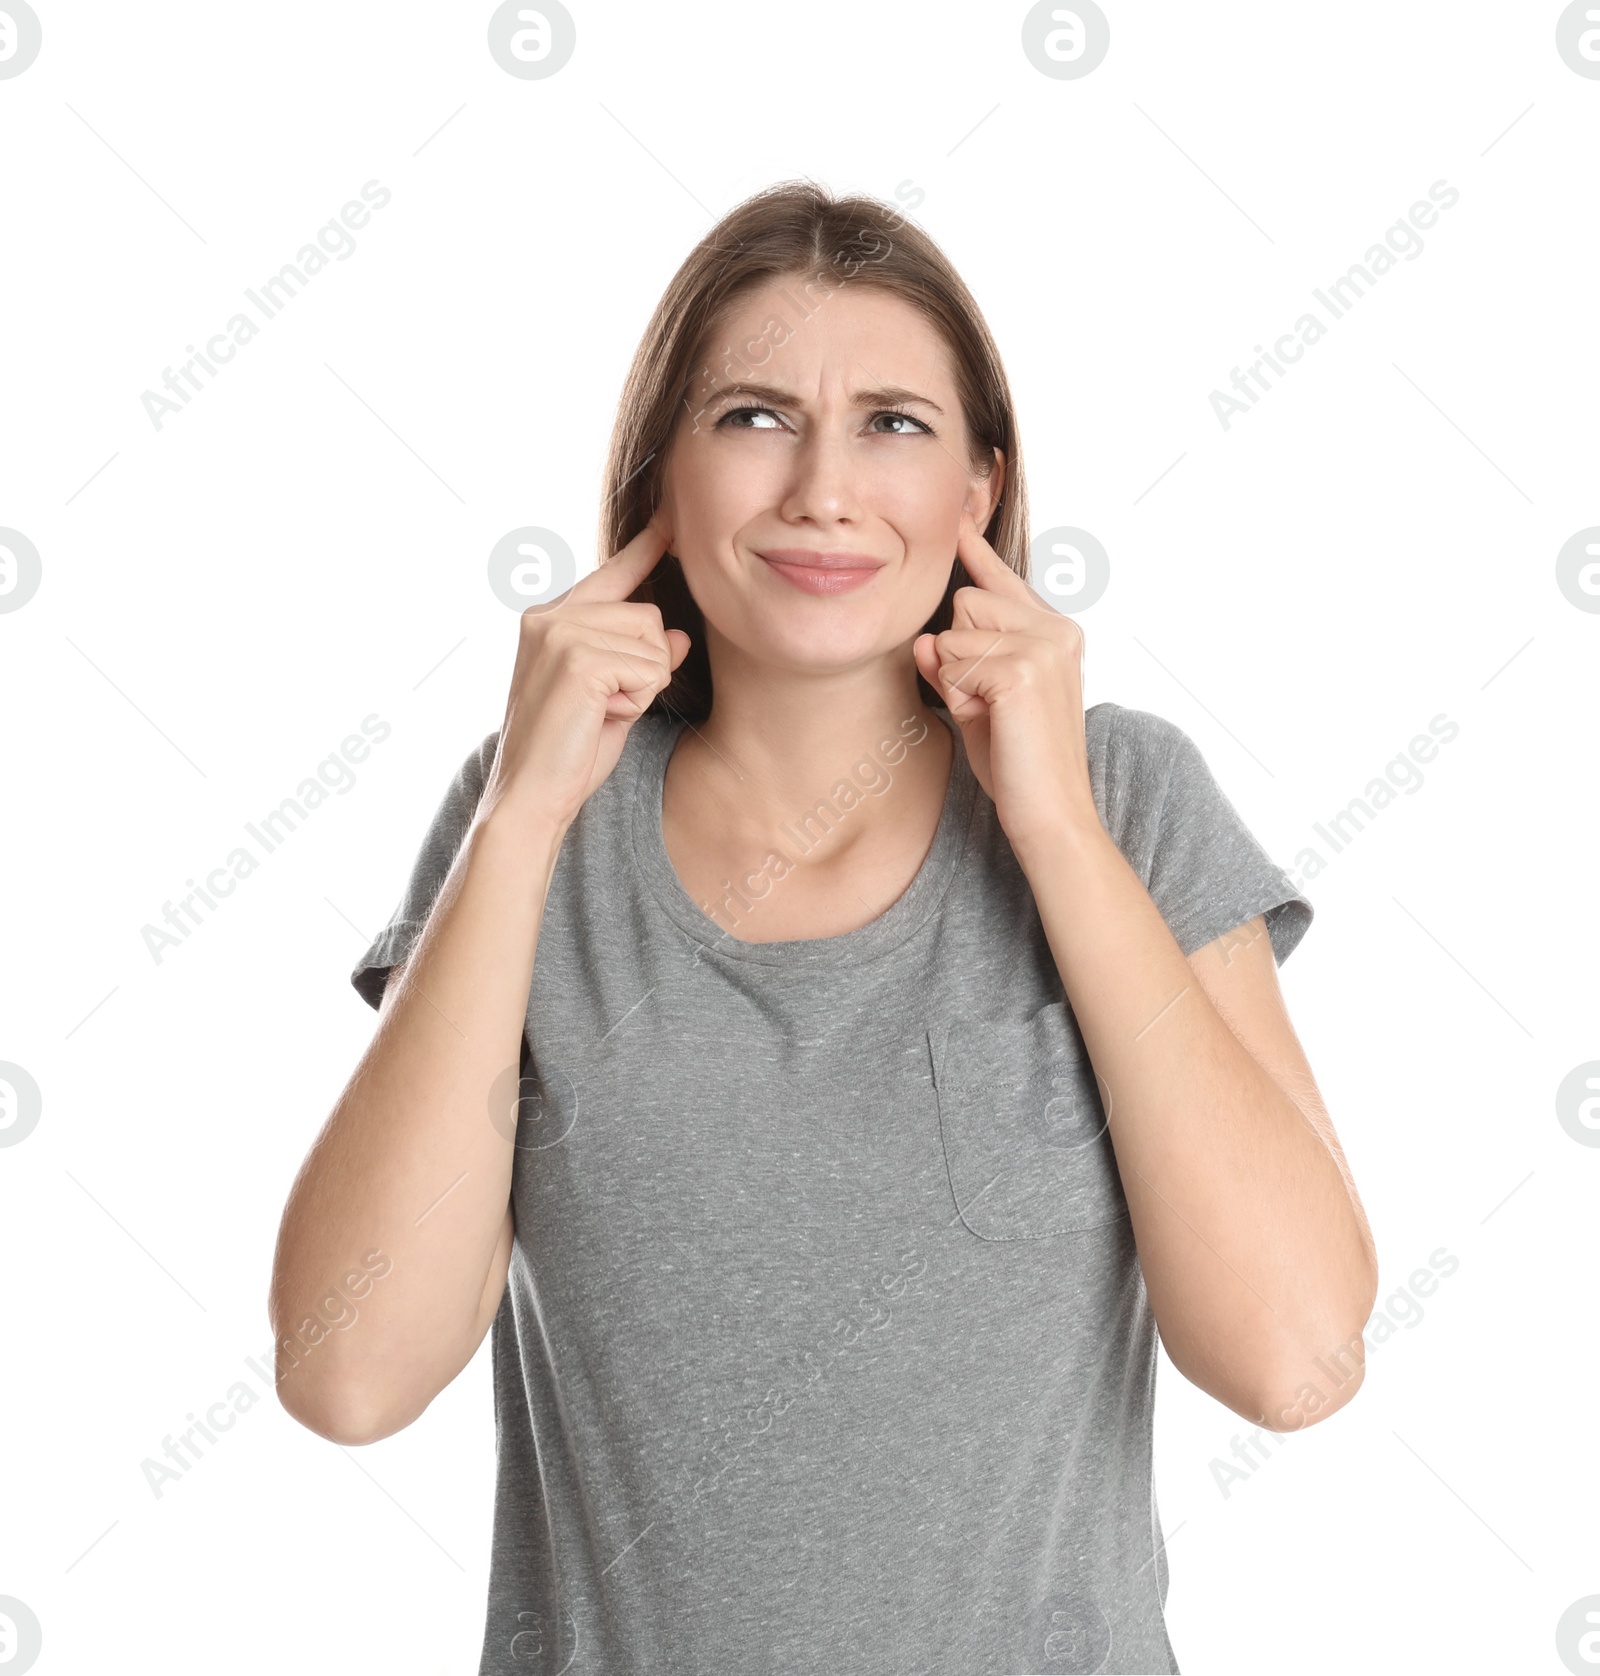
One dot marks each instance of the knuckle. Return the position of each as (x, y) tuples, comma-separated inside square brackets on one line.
[(648, 616)]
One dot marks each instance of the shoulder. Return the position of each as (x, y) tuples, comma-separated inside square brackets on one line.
[(1133, 752), (461, 796)]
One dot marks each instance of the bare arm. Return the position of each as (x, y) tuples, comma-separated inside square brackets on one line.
[(1257, 1257), (1255, 1249), (411, 1164), (396, 1239)]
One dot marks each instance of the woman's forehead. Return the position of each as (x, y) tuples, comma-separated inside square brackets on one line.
[(861, 339)]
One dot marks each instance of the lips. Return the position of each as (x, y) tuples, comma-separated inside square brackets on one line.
[(811, 559), (815, 572)]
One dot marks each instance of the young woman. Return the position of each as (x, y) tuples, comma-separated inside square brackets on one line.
[(822, 1052)]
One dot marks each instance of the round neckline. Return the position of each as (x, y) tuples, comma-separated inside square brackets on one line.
[(905, 915)]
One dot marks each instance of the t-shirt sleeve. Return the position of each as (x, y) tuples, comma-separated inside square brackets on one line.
[(443, 839), (1204, 868)]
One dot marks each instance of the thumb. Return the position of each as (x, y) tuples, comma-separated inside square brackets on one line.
[(678, 644), (926, 654), (963, 707)]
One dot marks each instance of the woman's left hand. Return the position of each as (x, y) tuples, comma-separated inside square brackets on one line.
[(1010, 668)]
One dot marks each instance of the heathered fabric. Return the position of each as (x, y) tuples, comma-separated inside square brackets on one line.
[(825, 1345)]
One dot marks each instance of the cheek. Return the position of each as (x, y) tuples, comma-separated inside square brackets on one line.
[(924, 505), (715, 495)]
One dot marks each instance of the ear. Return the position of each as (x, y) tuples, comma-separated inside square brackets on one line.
[(984, 494), (661, 518)]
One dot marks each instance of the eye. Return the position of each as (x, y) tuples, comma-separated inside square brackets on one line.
[(910, 419), (740, 412)]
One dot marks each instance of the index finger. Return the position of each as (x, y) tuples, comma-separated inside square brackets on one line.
[(985, 566), (619, 575)]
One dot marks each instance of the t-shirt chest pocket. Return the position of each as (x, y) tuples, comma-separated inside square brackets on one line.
[(1023, 1127)]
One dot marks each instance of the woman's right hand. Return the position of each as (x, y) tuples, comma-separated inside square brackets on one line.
[(588, 666), (425, 1119)]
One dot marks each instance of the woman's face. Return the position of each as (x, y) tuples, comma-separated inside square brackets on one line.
[(844, 440)]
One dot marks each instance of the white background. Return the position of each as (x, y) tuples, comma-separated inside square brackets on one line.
[(225, 598)]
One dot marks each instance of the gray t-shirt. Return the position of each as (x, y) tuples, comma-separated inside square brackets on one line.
[(825, 1344)]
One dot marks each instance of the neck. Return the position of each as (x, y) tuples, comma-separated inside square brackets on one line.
[(812, 762)]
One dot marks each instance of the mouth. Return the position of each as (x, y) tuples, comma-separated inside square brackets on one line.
[(816, 572)]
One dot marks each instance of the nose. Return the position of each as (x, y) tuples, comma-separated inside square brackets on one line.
[(824, 488)]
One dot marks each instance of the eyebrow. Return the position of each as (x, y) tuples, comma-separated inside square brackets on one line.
[(887, 395)]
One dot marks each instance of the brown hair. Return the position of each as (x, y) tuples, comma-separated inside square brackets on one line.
[(796, 229)]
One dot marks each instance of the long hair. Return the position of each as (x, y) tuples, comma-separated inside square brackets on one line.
[(799, 231)]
